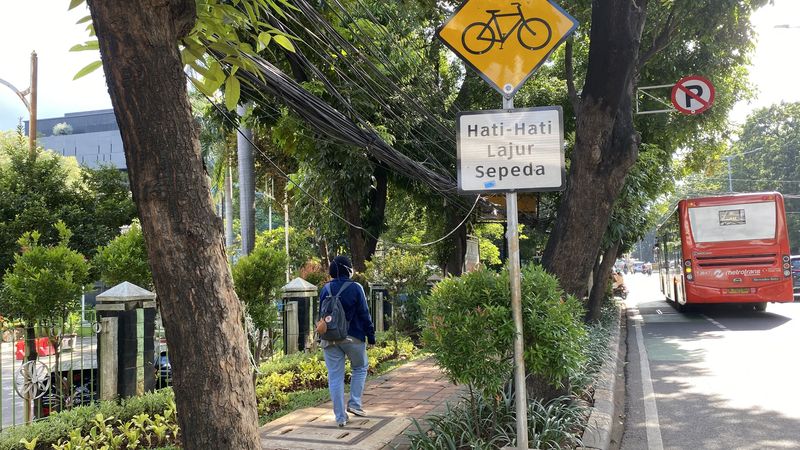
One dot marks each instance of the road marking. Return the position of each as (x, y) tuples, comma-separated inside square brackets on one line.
[(719, 325), (650, 409)]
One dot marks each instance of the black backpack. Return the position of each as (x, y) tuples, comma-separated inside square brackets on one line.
[(333, 323)]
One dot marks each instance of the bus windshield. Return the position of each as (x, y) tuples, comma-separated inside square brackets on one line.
[(735, 222)]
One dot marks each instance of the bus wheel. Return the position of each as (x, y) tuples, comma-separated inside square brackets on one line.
[(681, 307), (760, 307)]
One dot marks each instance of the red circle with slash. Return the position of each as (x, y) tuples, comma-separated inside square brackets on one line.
[(693, 94)]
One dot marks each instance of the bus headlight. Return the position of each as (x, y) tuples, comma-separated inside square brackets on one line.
[(787, 273), (786, 258), (689, 276)]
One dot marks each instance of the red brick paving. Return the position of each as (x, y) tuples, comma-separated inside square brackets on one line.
[(411, 391)]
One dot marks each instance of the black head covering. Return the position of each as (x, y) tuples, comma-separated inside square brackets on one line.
[(340, 267)]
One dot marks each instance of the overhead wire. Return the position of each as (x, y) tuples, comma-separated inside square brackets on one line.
[(321, 138), (329, 120), (323, 204), (349, 48), (376, 97)]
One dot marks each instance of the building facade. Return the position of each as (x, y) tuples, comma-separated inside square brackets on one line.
[(93, 138)]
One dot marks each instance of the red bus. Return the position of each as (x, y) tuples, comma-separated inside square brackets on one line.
[(726, 249)]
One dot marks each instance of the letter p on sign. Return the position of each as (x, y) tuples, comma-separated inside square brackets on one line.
[(692, 95)]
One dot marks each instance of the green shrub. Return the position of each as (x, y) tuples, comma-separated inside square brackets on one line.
[(125, 259), (270, 391), (59, 425), (143, 430), (489, 423), (555, 336), (470, 329), (257, 278)]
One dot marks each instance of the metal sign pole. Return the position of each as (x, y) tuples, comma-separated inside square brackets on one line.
[(520, 394)]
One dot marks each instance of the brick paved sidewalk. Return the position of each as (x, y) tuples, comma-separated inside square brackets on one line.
[(391, 402)]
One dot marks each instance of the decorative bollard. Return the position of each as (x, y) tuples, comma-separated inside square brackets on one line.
[(300, 304), (126, 344)]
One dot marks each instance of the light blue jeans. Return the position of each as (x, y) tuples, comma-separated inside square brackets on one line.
[(335, 356)]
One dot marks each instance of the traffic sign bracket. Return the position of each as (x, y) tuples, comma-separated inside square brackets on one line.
[(645, 91)]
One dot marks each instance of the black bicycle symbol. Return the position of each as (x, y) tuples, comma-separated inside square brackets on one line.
[(479, 37)]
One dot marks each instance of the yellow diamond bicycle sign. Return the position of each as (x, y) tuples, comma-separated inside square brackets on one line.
[(506, 41)]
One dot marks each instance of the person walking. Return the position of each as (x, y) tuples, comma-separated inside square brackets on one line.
[(360, 331)]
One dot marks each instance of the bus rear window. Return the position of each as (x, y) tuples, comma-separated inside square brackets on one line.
[(743, 222)]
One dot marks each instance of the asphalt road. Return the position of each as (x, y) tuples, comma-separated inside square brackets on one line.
[(715, 378)]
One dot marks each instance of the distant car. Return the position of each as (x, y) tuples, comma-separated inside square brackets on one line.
[(796, 276), (74, 388), (638, 267), (163, 370)]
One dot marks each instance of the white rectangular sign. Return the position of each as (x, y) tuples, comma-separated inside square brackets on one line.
[(511, 150)]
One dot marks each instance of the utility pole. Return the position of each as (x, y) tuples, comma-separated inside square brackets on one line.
[(286, 227), (34, 97), (29, 105), (729, 158)]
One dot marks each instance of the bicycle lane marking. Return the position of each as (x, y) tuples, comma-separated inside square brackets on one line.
[(652, 426)]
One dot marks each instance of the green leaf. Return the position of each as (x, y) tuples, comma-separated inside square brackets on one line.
[(74, 3), (84, 19), (284, 42), (263, 40), (231, 93), (91, 67), (88, 45)]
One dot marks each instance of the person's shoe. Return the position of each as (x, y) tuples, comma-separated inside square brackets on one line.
[(357, 411), (342, 424)]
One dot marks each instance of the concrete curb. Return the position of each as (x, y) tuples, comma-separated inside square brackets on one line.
[(608, 397)]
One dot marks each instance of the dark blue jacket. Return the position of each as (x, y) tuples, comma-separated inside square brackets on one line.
[(354, 302)]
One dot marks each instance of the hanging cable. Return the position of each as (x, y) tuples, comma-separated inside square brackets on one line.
[(325, 206)]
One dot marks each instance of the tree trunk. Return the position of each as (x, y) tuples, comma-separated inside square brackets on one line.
[(377, 210), (228, 205), (601, 275), (247, 186), (30, 342), (358, 245), (536, 387), (455, 259), (606, 143), (213, 389)]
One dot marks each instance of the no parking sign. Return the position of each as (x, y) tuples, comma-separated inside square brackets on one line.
[(693, 95)]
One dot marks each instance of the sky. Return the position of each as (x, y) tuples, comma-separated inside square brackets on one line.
[(774, 71)]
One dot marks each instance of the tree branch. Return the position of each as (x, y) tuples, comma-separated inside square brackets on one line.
[(570, 75), (662, 40), (184, 15)]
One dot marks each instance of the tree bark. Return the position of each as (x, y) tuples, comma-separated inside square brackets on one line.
[(202, 316), (454, 264), (601, 275), (30, 342), (606, 143), (358, 245)]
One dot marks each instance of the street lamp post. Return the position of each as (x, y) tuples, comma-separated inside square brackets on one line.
[(30, 106), (729, 158)]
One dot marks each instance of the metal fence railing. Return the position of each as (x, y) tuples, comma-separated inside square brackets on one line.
[(64, 374)]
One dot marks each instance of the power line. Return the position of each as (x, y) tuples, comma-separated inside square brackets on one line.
[(325, 206)]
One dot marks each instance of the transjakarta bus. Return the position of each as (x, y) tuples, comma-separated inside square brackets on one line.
[(726, 249)]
